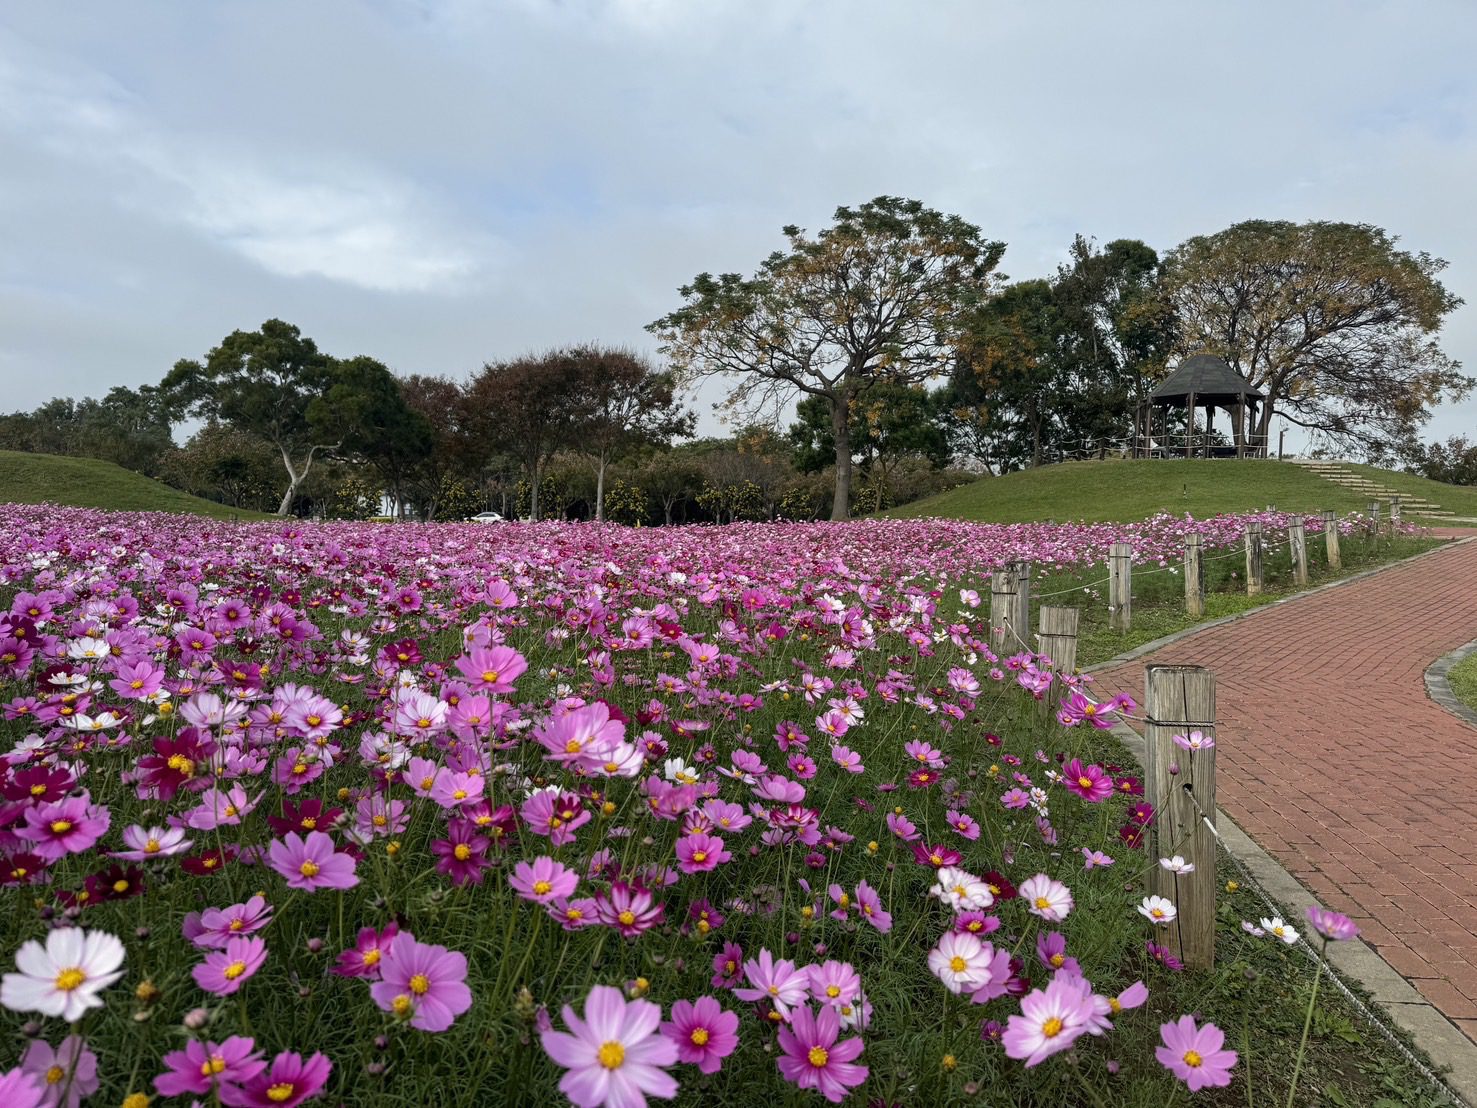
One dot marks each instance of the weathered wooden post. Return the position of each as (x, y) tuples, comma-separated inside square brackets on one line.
[(1120, 586), (1331, 538), (1297, 536), (1002, 595), (1020, 606), (1179, 700), (1194, 576), (1254, 558), (1394, 516), (1057, 636)]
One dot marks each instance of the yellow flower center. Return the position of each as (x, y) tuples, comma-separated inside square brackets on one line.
[(460, 794), (1052, 1028), (234, 970), (542, 888), (627, 917), (70, 979), (180, 764), (611, 1055), (833, 991), (1058, 960), (490, 676), (308, 869), (1042, 903), (572, 746), (152, 847), (420, 984), (401, 1004), (461, 852), (1085, 782), (279, 1092), (1193, 1059), (60, 826), (38, 790), (699, 855), (214, 1064), (818, 1056), (699, 1035), (958, 964), (1115, 1004), (372, 957), (55, 1074), (120, 887)]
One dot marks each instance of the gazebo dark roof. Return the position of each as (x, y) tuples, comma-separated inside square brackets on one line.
[(1209, 379)]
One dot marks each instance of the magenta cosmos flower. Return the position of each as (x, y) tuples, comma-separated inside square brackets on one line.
[(19, 1089), (1332, 925), (704, 1033), (699, 852), (426, 982), (311, 863), (1194, 1055), (68, 1073), (812, 1057), (615, 1054), (1088, 782), (291, 1080), (543, 880), (225, 971), (68, 826), (778, 982), (201, 1066), (363, 958)]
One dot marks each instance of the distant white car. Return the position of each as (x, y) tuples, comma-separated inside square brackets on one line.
[(486, 517)]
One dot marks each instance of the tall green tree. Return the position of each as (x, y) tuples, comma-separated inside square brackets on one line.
[(890, 423), (1335, 323), (367, 405), (879, 296), (264, 382)]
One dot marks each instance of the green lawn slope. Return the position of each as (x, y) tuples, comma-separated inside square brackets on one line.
[(1461, 499), (1128, 490), (91, 483)]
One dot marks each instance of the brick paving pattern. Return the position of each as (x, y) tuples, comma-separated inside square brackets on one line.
[(1332, 757)]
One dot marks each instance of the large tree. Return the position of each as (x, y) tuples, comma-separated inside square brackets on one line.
[(1334, 323), (621, 402), (367, 405), (876, 297), (265, 383)]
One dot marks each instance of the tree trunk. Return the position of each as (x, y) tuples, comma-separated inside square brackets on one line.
[(600, 490), (288, 497), (841, 435), (538, 475)]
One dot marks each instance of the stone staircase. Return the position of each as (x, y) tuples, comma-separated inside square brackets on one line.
[(1368, 489)]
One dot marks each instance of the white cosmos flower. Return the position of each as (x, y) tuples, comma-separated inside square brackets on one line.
[(63, 977), (960, 961), (680, 772), (1275, 926), (1177, 864), (1157, 909), (961, 890)]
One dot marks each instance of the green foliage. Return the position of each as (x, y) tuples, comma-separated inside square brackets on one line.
[(128, 426), (28, 478), (626, 503), (731, 501), (352, 498), (454, 500), (1463, 680)]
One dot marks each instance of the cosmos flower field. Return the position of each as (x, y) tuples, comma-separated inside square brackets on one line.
[(458, 814)]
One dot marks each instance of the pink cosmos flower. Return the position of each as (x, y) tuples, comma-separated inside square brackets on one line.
[(902, 827), (1091, 783), (1047, 898), (1051, 949), (1195, 740), (961, 961), (1194, 1055), (615, 1055), (543, 881), (700, 852), (68, 826), (1332, 925), (1094, 858), (834, 983), (311, 863), (1131, 997), (492, 669), (778, 982), (145, 843), (19, 1089), (870, 906), (847, 759), (728, 965), (225, 971), (1051, 1020), (1016, 798), (813, 1059), (962, 823), (71, 1066), (363, 958), (425, 982), (289, 1081), (705, 1034), (629, 909)]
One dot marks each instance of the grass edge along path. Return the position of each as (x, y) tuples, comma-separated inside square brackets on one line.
[(1462, 678)]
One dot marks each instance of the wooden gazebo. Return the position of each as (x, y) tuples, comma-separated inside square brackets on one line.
[(1200, 381)]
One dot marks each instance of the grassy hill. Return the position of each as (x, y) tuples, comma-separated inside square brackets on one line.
[(1125, 490), (91, 483)]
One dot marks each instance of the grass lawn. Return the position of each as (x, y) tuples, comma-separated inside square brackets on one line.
[(92, 483), (1128, 490), (1463, 680)]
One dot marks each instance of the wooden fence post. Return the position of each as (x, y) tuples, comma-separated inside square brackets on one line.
[(1331, 538), (1297, 536), (1254, 558), (1020, 606), (1057, 637), (1178, 700), (1195, 576), (1002, 595), (1120, 586), (1394, 515)]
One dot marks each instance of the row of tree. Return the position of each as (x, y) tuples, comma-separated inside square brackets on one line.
[(890, 332)]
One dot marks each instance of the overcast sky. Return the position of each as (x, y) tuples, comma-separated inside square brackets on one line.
[(438, 183)]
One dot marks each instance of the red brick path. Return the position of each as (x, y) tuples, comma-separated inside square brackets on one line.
[(1333, 759)]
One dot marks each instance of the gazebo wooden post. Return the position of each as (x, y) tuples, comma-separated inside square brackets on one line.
[(1190, 427), (1238, 424), (1209, 423)]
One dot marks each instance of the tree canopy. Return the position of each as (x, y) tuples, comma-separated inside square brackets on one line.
[(879, 296)]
